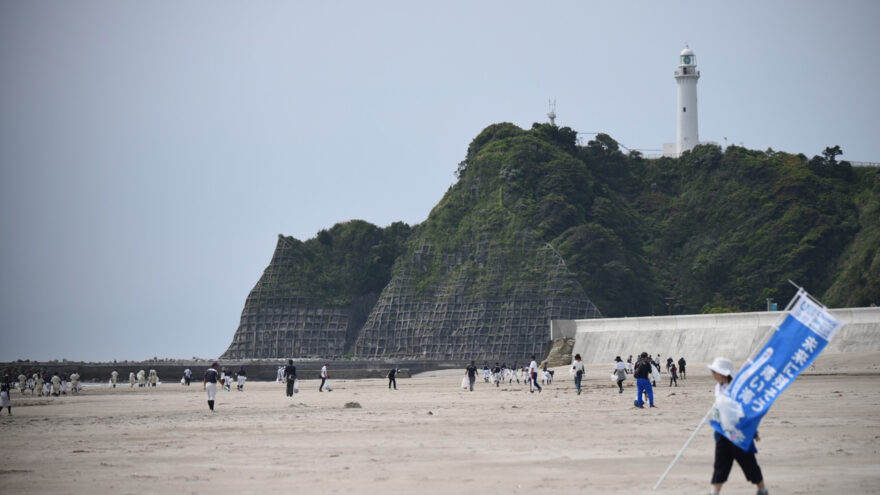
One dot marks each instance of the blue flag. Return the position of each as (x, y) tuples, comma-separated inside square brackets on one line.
[(795, 344)]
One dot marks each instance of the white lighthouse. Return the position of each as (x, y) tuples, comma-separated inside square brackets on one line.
[(686, 130)]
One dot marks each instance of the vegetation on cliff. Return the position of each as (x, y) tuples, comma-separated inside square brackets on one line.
[(340, 264), (708, 232)]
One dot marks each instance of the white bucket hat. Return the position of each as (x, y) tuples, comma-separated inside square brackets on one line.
[(722, 366)]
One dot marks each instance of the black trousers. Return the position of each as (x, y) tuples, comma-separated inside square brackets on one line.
[(290, 386), (392, 381), (323, 380), (725, 453)]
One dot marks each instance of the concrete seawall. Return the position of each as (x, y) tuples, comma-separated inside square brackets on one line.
[(699, 338)]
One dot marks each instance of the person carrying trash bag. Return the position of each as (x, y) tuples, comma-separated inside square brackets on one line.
[(619, 373), (325, 379), (290, 377)]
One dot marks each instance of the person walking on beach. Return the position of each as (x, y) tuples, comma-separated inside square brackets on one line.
[(38, 383), (629, 366), (131, 379), (324, 377), (289, 374), (578, 368), (533, 375), (681, 363), (114, 376), (655, 370), (74, 382), (392, 380), (209, 384), (187, 376), (726, 451), (642, 372), (673, 375), (56, 384), (620, 373), (242, 377), (5, 393), (471, 372)]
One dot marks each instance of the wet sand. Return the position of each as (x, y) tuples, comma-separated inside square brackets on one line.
[(430, 436)]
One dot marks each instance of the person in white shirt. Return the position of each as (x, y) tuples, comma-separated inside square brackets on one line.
[(533, 374), (114, 376), (38, 383), (74, 382), (578, 367), (725, 450), (619, 372), (324, 377), (56, 384)]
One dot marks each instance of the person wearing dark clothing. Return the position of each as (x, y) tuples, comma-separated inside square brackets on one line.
[(669, 363), (392, 380), (242, 377), (209, 384), (673, 375), (471, 372), (642, 373), (681, 363), (290, 376), (496, 374)]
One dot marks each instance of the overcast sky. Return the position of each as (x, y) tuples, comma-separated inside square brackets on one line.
[(151, 152)]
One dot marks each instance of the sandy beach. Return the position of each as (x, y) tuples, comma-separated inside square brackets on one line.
[(430, 436)]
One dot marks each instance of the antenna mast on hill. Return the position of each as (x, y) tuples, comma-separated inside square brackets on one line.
[(552, 114)]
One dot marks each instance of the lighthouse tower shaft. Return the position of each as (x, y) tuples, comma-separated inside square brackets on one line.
[(686, 76)]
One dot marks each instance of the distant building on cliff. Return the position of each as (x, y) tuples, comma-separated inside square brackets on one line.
[(687, 133)]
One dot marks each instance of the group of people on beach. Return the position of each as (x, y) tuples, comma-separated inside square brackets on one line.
[(645, 369), (527, 375), (41, 383)]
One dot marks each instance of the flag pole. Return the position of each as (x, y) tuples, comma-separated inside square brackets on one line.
[(773, 328), (683, 448)]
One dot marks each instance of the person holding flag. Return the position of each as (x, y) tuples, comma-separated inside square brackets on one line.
[(725, 451), (741, 401)]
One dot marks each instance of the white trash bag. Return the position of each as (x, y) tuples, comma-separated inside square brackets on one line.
[(327, 386), (296, 387), (464, 383), (655, 373), (614, 378)]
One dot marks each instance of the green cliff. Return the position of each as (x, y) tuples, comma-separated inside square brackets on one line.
[(539, 227)]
